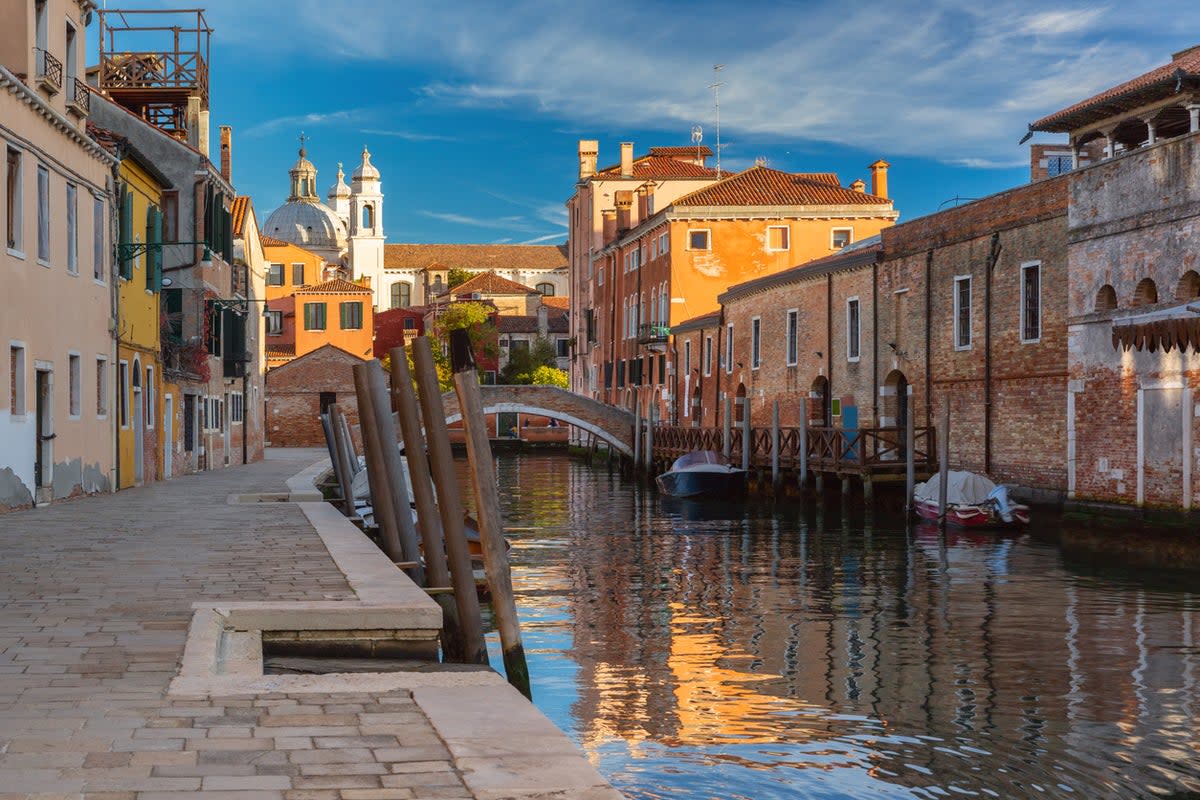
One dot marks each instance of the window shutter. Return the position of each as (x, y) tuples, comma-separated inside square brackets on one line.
[(227, 235), (154, 257), (126, 265)]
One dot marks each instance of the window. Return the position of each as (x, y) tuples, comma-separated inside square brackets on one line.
[(274, 323), (1031, 302), (698, 239), (12, 199), (852, 330), (151, 400), (16, 374), (237, 408), (351, 315), (298, 274), (72, 229), (1057, 165), (962, 312), (123, 393), (755, 343), (687, 357), (600, 276), (547, 289), (314, 316), (170, 215), (75, 379), (327, 399), (410, 324), (401, 294), (275, 275), (368, 217), (664, 241), (101, 387), (729, 348), (43, 212), (840, 237), (98, 222), (562, 348), (708, 355), (793, 337), (777, 237), (654, 247)]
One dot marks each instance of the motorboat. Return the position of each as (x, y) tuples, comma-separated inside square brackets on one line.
[(702, 473), (972, 501)]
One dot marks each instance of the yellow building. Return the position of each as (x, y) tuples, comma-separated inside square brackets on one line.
[(139, 318)]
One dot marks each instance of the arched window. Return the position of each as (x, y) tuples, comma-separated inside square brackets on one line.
[(1146, 293), (1188, 287), (401, 294), (1106, 298), (547, 289), (653, 307), (368, 217)]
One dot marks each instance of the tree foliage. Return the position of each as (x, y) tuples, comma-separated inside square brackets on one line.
[(526, 365), (457, 277), (476, 318)]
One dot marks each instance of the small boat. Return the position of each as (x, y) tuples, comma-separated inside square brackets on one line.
[(972, 501), (702, 473)]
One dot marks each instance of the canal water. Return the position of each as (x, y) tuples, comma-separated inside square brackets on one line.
[(700, 650)]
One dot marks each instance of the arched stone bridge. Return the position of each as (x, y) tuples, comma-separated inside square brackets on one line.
[(613, 425)]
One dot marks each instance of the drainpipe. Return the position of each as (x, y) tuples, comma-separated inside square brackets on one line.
[(928, 342), (717, 404), (993, 257), (114, 234), (250, 315), (875, 342)]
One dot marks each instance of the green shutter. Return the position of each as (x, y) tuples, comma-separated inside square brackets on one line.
[(154, 259), (126, 234), (227, 235)]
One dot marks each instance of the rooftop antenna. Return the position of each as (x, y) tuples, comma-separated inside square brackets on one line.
[(716, 87), (697, 138)]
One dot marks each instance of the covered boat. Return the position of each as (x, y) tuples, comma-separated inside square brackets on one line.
[(702, 473), (972, 501)]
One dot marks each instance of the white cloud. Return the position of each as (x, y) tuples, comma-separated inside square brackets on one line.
[(410, 136), (299, 121)]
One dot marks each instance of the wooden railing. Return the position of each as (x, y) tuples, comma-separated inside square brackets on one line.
[(858, 451), (154, 70)]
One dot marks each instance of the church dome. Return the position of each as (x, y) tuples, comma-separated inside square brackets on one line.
[(339, 189), (366, 170), (308, 224)]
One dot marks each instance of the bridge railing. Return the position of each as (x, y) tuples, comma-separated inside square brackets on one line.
[(857, 451)]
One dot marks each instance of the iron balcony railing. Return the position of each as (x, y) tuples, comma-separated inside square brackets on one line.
[(653, 333), (81, 97), (49, 70)]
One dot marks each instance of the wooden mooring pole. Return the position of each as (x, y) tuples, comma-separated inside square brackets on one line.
[(341, 464), (383, 499), (727, 429), (433, 411), (803, 442), (747, 434), (649, 460), (943, 461), (429, 525), (487, 506), (775, 446), (910, 471), (637, 437)]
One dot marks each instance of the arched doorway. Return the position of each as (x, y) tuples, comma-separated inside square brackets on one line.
[(818, 403), (739, 403), (696, 407), (896, 408), (139, 456)]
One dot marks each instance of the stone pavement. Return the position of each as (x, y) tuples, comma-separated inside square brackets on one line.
[(95, 602)]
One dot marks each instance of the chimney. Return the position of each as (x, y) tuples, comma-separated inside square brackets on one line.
[(879, 178), (588, 150), (202, 136), (858, 185), (624, 210), (193, 121), (227, 153), (609, 216), (543, 321), (626, 159)]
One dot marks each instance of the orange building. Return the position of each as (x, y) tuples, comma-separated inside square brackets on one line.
[(674, 263), (291, 267), (335, 312)]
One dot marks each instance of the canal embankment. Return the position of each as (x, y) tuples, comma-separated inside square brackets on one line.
[(135, 632)]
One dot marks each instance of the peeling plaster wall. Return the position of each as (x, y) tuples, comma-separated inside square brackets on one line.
[(16, 473)]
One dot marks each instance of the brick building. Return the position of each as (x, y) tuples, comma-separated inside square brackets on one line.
[(396, 326), (301, 389)]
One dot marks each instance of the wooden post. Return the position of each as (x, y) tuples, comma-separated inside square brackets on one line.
[(637, 437), (341, 464), (393, 465), (348, 443), (747, 433), (775, 446), (651, 413), (943, 461), (727, 430), (382, 497), (487, 506), (803, 442), (909, 462), (474, 649), (428, 522)]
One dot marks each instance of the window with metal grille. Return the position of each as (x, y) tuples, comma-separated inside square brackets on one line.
[(853, 343), (1031, 302), (793, 330), (962, 312)]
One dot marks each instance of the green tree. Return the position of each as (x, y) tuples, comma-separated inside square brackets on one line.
[(549, 376), (457, 277), (523, 362), (477, 319)]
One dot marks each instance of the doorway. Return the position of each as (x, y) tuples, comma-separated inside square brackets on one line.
[(44, 433), (168, 435), (139, 421)]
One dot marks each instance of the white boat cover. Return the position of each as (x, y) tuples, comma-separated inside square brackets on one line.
[(962, 489)]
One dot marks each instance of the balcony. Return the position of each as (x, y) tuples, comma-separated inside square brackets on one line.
[(80, 98), (49, 72), (654, 335)]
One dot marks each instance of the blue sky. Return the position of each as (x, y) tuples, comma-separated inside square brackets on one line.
[(472, 111)]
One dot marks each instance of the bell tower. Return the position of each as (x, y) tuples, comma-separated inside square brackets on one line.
[(366, 226)]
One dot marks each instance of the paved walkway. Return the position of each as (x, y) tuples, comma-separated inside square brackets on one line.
[(95, 603)]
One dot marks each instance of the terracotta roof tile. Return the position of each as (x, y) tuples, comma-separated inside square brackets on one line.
[(335, 286), (762, 186), (475, 256), (490, 283), (238, 211), (688, 151), (517, 323), (1160, 82), (107, 139), (281, 351), (659, 167), (557, 303), (271, 241)]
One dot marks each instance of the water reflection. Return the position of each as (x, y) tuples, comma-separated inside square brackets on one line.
[(761, 652)]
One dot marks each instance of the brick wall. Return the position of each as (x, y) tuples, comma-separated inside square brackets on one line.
[(294, 397)]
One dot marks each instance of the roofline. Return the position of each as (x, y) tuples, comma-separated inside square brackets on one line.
[(827, 265), (697, 323), (775, 212), (9, 81), (1042, 125)]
